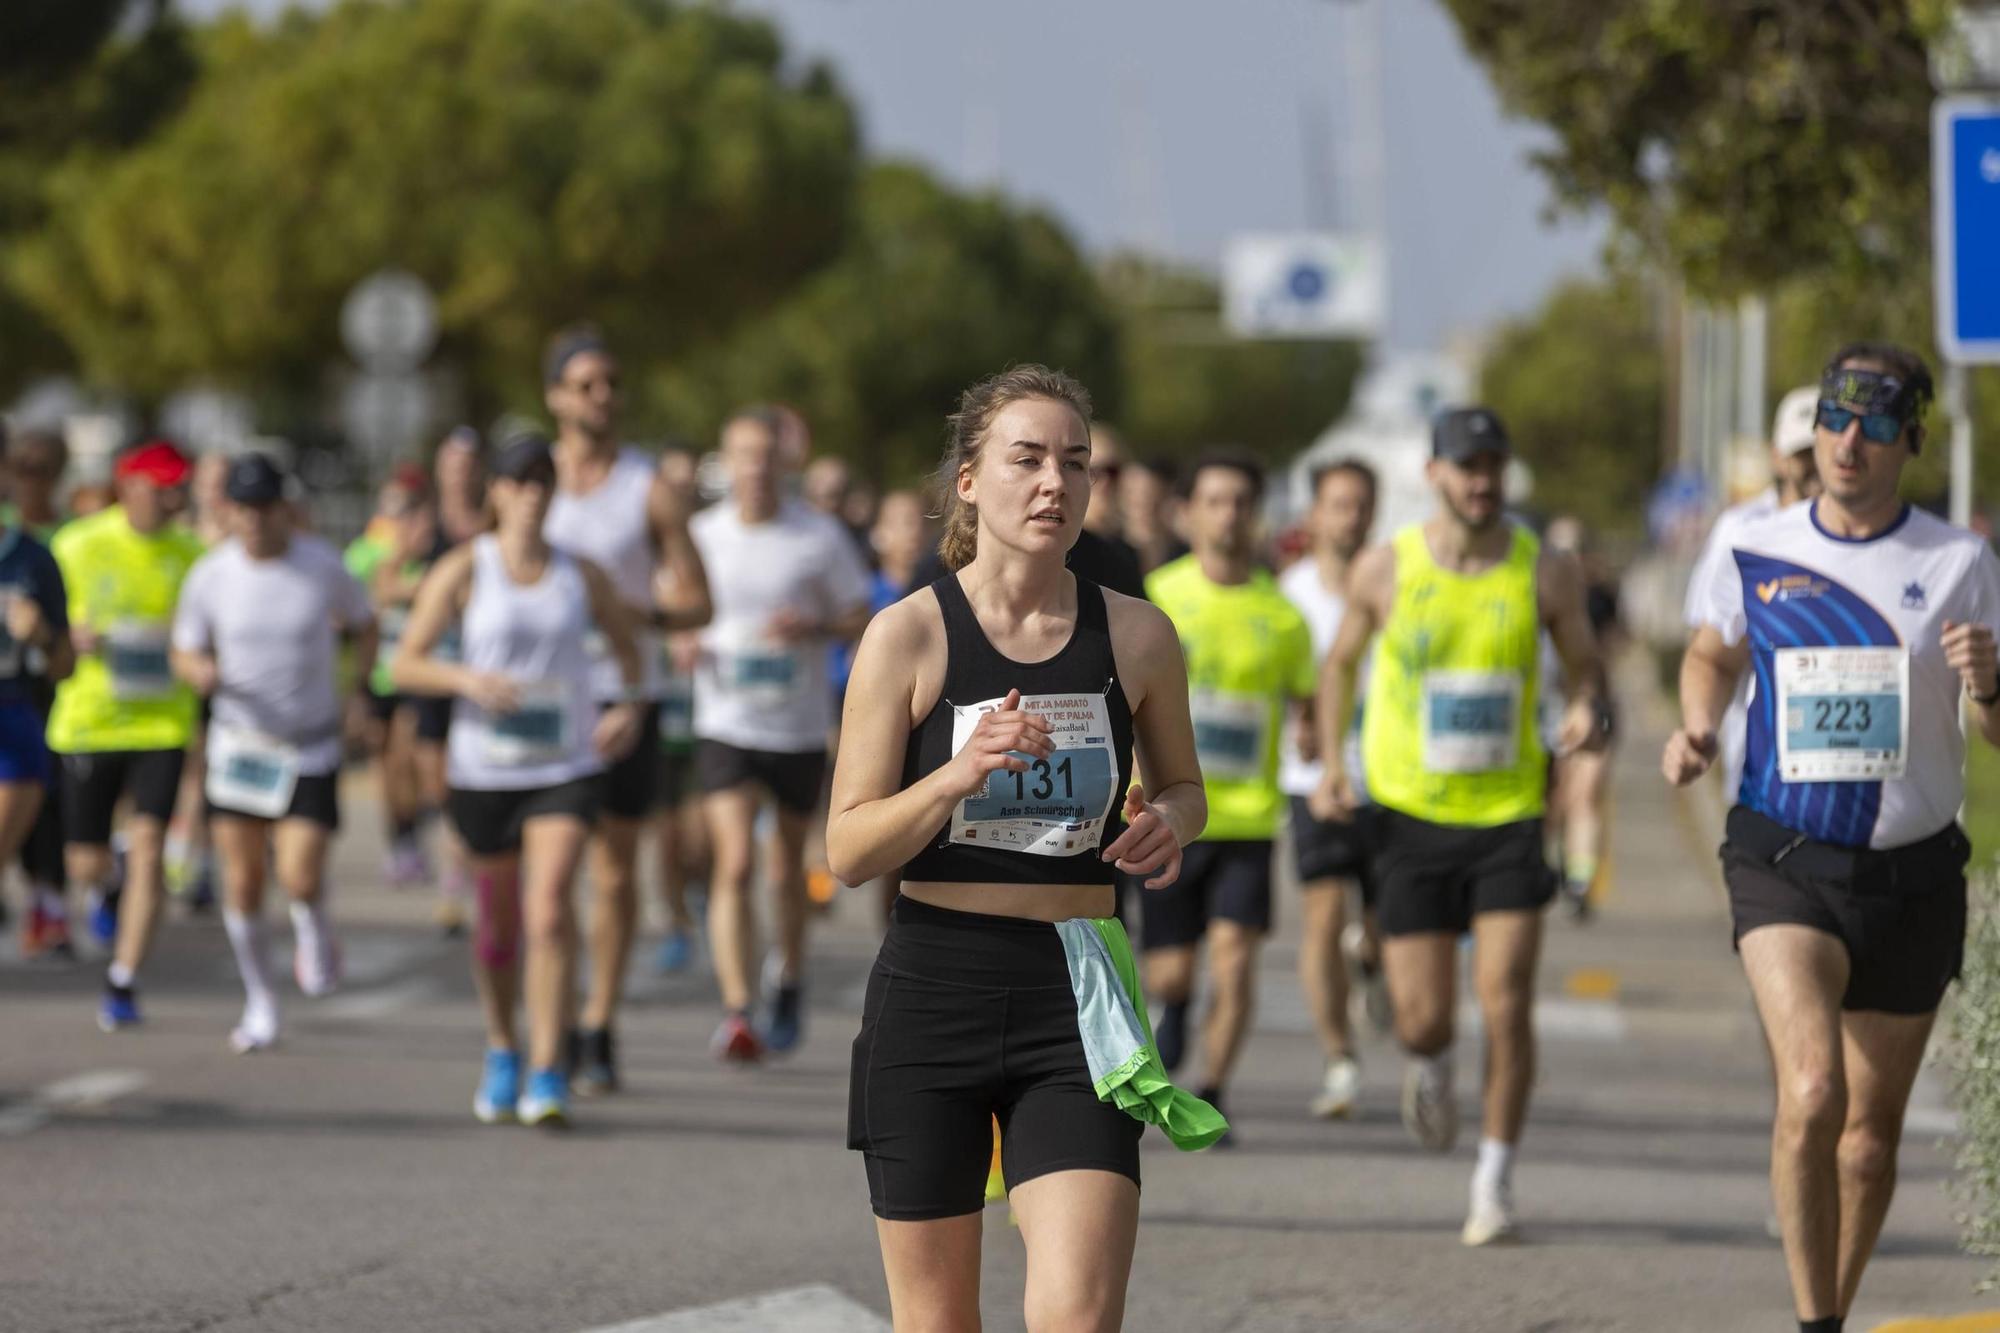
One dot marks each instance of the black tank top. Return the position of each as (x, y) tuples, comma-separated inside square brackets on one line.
[(1053, 807)]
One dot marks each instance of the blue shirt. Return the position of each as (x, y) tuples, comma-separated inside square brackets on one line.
[(28, 570)]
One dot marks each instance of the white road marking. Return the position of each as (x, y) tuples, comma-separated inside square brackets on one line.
[(79, 1092), (818, 1308)]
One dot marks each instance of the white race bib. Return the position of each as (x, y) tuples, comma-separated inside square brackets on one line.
[(1059, 806), (762, 676), (250, 773), (538, 732), (1842, 713), (1232, 734), (1471, 721), (135, 653)]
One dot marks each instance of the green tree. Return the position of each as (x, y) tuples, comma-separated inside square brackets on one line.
[(652, 167), (1189, 386), (1578, 384), (1743, 144), (934, 290)]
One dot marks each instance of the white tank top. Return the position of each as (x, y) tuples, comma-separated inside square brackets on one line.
[(532, 634), (609, 527)]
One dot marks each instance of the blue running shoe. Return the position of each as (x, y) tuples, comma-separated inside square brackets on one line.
[(104, 920), (499, 1087), (118, 1009), (787, 1019), (676, 952), (547, 1100)]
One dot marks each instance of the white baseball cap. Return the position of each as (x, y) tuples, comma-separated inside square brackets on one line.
[(1792, 428)]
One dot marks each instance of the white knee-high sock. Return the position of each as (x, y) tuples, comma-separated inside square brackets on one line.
[(246, 941)]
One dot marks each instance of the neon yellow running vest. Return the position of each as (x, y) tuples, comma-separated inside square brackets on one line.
[(1449, 732)]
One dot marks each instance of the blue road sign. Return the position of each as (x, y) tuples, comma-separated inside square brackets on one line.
[(1965, 166)]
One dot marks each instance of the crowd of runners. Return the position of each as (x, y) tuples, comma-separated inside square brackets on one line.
[(1059, 692)]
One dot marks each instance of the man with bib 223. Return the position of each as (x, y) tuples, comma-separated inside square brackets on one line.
[(1456, 768), (1249, 658), (528, 746), (985, 749), (1866, 622), (255, 633), (122, 722)]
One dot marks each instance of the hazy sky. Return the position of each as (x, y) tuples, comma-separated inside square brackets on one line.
[(1170, 124)]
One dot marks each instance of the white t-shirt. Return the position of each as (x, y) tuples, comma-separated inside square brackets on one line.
[(750, 690), (1713, 555), (272, 625), (1795, 589), (1322, 609)]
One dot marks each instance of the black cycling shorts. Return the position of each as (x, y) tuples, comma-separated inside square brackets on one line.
[(629, 789), (1438, 877), (93, 782), (1900, 912), (968, 1017), (794, 780), (1325, 849), (489, 823), (1230, 881), (316, 797)]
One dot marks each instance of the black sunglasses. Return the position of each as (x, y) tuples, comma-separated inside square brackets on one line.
[(1881, 427)]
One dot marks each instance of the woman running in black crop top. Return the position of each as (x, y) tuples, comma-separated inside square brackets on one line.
[(1007, 809)]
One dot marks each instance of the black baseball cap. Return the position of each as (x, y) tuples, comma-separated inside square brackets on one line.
[(526, 458), (1466, 432), (254, 479)]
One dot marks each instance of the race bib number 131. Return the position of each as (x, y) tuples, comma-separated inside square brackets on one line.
[(1059, 805)]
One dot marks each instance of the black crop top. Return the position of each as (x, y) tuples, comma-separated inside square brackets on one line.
[(1048, 825)]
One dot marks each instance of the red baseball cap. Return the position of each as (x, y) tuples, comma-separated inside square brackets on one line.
[(158, 461)]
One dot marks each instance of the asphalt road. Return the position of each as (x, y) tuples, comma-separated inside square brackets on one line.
[(153, 1181)]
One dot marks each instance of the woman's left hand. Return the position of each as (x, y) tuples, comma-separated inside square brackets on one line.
[(1148, 843)]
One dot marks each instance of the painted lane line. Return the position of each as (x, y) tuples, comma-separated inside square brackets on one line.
[(80, 1092), (818, 1308)]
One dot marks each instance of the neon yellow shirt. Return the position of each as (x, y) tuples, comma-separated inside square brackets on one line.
[(123, 585), (1449, 732), (1249, 654)]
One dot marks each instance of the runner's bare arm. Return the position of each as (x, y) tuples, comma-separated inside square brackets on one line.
[(1969, 649), (1559, 595), (440, 601), (875, 824), (195, 668), (1170, 809), (680, 589), (616, 621), (1371, 587), (1709, 673)]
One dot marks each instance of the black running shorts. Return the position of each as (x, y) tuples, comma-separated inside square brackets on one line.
[(794, 780), (490, 822), (93, 782), (1900, 912), (968, 1017), (1327, 849), (1438, 877), (1228, 881), (316, 798)]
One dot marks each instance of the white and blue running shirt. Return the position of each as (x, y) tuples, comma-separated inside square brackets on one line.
[(1716, 551), (1792, 585)]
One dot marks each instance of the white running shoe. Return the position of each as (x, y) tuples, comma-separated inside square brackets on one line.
[(318, 976), (1339, 1090), (256, 1032), (1430, 1112), (1491, 1219)]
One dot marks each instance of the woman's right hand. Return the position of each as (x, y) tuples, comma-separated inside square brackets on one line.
[(997, 743), (491, 691)]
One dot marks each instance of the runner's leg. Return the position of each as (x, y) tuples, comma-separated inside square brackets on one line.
[(1079, 1229), (933, 1271), (552, 848), (1322, 970), (731, 817), (1232, 970), (1881, 1054), (1506, 948), (1797, 975)]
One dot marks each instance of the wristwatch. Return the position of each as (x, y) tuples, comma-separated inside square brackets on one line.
[(1985, 700)]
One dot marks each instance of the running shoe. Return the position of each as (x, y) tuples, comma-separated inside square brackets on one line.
[(1170, 1035), (676, 952), (546, 1102), (594, 1067), (1491, 1219), (318, 970), (735, 1041), (1338, 1090), (45, 935), (1430, 1112), (787, 1017), (254, 1033), (104, 919), (499, 1087), (119, 1008), (1372, 994), (1576, 900)]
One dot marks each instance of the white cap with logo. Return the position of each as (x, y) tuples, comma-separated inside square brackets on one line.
[(1798, 413)]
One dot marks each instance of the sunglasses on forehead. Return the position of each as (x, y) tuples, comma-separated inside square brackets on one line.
[(1880, 427)]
